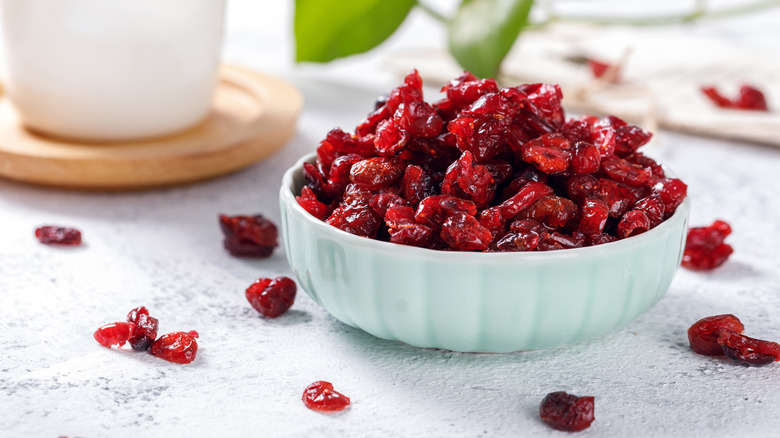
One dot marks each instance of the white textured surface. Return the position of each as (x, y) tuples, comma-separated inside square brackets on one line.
[(163, 249)]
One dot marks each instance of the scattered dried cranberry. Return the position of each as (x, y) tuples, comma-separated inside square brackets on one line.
[(114, 334), (178, 347), (722, 335), (455, 175), (748, 351), (320, 396), (703, 334), (600, 68), (249, 236), (567, 412), (749, 98), (705, 249), (144, 330), (271, 297), (54, 235)]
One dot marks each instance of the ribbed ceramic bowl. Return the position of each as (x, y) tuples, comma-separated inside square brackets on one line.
[(478, 302)]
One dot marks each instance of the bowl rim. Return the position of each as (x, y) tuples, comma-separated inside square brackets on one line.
[(288, 197)]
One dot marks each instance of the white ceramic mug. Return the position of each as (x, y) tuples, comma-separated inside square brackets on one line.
[(111, 70)]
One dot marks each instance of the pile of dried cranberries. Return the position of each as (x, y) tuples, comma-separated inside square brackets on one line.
[(487, 169)]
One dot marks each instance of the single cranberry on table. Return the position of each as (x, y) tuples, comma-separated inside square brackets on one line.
[(320, 396), (248, 236), (56, 235), (703, 334), (567, 412), (272, 297), (115, 334), (705, 248), (455, 174), (178, 347)]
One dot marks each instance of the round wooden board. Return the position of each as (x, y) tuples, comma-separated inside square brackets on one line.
[(253, 115)]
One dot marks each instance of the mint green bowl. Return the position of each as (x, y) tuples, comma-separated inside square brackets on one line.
[(478, 302)]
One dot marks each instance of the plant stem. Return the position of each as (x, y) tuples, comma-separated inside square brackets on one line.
[(699, 13), (432, 12)]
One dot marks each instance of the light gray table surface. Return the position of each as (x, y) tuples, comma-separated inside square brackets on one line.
[(163, 249)]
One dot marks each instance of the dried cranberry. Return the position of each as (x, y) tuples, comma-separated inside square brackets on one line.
[(248, 236), (594, 215), (748, 351), (672, 191), (463, 232), (144, 330), (554, 211), (358, 219), (417, 184), (308, 200), (114, 334), (524, 198), (54, 235), (632, 223), (390, 138), (270, 297), (419, 119), (749, 98), (703, 334), (178, 347), (599, 68), (567, 412), (550, 153), (704, 247), (376, 173), (320, 396)]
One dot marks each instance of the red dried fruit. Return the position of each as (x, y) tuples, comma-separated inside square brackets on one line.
[(144, 330), (748, 351), (248, 236), (464, 233), (524, 198), (567, 412), (390, 138), (355, 218), (55, 235), (749, 98), (320, 396), (672, 191), (270, 297), (468, 180), (416, 185), (433, 210), (626, 172), (632, 223), (377, 172), (585, 159), (549, 153), (599, 68), (308, 200), (554, 211), (114, 334), (480, 158), (178, 347), (653, 207), (594, 215), (704, 247), (703, 334), (419, 119)]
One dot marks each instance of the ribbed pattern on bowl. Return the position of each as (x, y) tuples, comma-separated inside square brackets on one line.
[(489, 302)]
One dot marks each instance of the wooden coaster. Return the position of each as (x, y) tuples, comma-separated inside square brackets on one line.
[(253, 115)]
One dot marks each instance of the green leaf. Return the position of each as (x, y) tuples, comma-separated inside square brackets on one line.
[(326, 30), (483, 31)]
